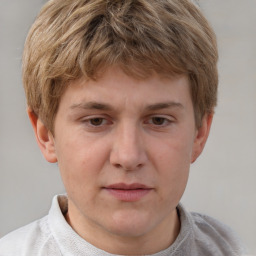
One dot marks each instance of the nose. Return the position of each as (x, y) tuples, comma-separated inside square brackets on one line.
[(128, 150)]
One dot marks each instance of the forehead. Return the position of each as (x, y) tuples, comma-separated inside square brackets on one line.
[(115, 86)]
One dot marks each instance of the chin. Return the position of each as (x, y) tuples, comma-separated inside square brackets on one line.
[(130, 224)]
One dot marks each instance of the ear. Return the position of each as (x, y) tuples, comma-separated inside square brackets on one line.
[(201, 136), (44, 137)]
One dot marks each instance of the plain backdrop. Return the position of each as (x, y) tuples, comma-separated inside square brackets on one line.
[(222, 181)]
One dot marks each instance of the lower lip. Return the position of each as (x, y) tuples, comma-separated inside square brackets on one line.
[(129, 195)]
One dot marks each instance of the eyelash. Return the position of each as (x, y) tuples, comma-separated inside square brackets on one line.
[(89, 121), (102, 122), (165, 121)]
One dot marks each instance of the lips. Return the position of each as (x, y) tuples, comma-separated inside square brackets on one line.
[(128, 192), (128, 186)]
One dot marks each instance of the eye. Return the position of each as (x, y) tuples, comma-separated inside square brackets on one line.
[(159, 120), (96, 121)]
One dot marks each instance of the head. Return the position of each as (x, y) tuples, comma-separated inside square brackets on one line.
[(79, 38), (121, 95)]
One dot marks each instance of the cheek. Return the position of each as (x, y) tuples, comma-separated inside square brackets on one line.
[(80, 160), (174, 180), (172, 160), (174, 152), (175, 172)]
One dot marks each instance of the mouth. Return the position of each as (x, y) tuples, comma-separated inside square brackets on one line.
[(128, 192)]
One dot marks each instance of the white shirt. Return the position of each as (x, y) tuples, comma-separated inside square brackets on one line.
[(199, 235)]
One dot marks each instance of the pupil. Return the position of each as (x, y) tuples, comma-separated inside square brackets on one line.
[(96, 121), (158, 120)]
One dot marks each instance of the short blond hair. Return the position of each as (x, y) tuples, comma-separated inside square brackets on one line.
[(74, 38)]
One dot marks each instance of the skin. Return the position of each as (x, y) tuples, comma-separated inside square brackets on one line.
[(122, 130)]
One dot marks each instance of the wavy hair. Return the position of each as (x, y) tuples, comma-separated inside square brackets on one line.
[(71, 39)]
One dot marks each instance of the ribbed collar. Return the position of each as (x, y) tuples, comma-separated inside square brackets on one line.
[(70, 243)]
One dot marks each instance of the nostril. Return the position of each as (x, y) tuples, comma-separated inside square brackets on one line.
[(127, 167), (118, 166)]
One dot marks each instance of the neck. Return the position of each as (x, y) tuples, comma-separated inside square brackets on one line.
[(155, 241)]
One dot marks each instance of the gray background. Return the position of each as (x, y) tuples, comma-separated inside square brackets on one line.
[(222, 181)]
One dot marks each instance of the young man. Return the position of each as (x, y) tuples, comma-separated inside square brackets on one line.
[(121, 94)]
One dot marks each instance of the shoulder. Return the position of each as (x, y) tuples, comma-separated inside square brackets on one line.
[(32, 239), (212, 234)]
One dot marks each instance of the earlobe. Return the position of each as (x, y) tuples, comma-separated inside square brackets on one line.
[(44, 137), (201, 137)]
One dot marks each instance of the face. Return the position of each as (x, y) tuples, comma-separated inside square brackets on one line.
[(124, 149)]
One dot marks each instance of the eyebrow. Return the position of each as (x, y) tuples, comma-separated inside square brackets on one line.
[(107, 107), (92, 105), (164, 105)]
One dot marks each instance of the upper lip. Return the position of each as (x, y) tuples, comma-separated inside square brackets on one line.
[(125, 186)]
